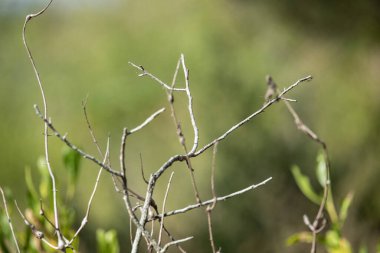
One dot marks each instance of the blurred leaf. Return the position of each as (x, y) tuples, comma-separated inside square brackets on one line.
[(321, 170), (71, 160), (31, 193), (336, 244), (5, 231), (107, 241), (305, 237), (303, 183), (332, 239), (330, 207), (45, 185), (344, 207), (363, 249)]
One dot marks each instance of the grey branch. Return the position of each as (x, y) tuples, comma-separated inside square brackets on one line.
[(147, 121), (211, 201), (85, 219), (72, 146), (9, 219), (163, 84), (247, 119), (165, 248), (190, 105)]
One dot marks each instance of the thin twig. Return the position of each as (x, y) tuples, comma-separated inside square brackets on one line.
[(319, 222), (38, 234), (93, 137), (64, 139), (9, 220), (163, 84), (85, 218), (45, 115), (247, 119), (142, 170), (211, 207), (42, 213), (190, 106), (122, 153), (210, 201), (165, 248), (147, 121), (181, 137), (163, 208), (173, 239)]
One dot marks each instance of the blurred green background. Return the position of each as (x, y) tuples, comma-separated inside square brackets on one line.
[(83, 48)]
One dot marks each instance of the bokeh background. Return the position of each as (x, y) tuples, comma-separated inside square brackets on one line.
[(83, 48)]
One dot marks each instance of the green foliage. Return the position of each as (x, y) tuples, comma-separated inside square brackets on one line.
[(107, 241), (303, 183), (333, 240), (71, 160), (5, 232)]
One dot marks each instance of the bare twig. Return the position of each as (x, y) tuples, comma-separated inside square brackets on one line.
[(38, 234), (84, 105), (147, 121), (163, 208), (190, 106), (165, 248), (173, 239), (9, 220), (181, 137), (42, 213), (163, 84), (122, 154), (73, 147), (45, 115), (210, 201), (247, 119), (211, 207), (142, 170), (319, 221), (85, 218)]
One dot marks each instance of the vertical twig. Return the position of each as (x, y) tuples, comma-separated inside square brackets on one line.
[(163, 208), (177, 124), (85, 218), (9, 220), (190, 105), (93, 137), (319, 222), (212, 206), (54, 189)]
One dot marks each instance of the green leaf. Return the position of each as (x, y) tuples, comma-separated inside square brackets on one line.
[(302, 237), (303, 183), (363, 249), (321, 169), (344, 207), (5, 231), (107, 241), (332, 239), (31, 193), (71, 160), (45, 180)]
